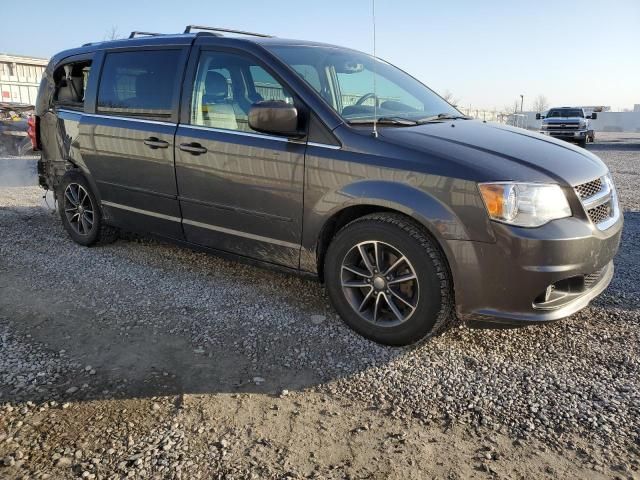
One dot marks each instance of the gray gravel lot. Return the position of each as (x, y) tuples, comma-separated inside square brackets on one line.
[(192, 343)]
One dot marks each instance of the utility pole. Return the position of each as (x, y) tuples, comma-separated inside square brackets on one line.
[(521, 103)]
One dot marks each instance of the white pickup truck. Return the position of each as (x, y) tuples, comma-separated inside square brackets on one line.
[(568, 123)]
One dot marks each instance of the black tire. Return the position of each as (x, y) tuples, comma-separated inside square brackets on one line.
[(433, 297), (582, 142), (97, 232)]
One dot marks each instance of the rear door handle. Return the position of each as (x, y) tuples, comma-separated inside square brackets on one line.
[(193, 148), (154, 142)]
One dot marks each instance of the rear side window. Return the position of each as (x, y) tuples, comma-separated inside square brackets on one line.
[(70, 84), (140, 83)]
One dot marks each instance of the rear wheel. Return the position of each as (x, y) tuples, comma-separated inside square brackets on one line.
[(80, 212), (387, 280)]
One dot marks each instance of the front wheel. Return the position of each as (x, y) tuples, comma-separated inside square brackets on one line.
[(388, 280)]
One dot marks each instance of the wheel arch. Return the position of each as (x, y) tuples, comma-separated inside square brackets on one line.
[(77, 169), (368, 197)]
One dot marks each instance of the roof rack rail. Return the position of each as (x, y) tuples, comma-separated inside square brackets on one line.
[(135, 33), (189, 28)]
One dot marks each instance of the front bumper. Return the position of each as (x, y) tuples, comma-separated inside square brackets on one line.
[(533, 275), (566, 134)]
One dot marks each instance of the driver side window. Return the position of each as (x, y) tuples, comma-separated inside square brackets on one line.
[(225, 88)]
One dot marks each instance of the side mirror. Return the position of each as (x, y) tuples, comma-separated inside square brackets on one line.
[(275, 117), (593, 116), (538, 116)]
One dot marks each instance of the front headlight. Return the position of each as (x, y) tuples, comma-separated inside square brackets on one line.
[(524, 204)]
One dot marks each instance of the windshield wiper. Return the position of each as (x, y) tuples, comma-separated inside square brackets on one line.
[(441, 116), (383, 121)]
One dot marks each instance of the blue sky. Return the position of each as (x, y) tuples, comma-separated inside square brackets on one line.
[(486, 53)]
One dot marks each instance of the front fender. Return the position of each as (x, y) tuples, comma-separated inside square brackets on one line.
[(420, 205), (439, 209)]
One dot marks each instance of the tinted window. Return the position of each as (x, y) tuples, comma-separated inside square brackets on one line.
[(565, 113), (226, 86), (139, 83)]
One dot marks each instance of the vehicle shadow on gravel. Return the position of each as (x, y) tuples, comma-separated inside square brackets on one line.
[(143, 319)]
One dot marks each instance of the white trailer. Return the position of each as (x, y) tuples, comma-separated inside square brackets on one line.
[(20, 78)]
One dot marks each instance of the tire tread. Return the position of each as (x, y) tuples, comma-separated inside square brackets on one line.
[(106, 233), (446, 316)]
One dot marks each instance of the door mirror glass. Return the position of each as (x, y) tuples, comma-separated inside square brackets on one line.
[(276, 117), (593, 116), (538, 116)]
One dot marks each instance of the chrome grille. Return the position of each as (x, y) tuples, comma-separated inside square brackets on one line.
[(600, 213), (589, 189), (563, 126), (599, 200)]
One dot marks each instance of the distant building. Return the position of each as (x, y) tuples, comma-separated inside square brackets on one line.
[(20, 78), (636, 107)]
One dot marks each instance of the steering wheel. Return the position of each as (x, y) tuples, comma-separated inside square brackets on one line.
[(366, 97)]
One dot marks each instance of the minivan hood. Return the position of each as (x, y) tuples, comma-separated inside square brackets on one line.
[(498, 152)]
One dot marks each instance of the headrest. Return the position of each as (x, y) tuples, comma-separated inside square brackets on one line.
[(70, 90), (215, 86)]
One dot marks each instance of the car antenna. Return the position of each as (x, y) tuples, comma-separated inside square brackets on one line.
[(375, 61)]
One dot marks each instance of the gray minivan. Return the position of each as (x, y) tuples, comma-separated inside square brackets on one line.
[(326, 162)]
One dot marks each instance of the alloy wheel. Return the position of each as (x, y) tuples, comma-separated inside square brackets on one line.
[(78, 208), (379, 283)]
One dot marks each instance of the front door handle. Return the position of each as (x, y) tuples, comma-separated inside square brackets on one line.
[(193, 148), (154, 142)]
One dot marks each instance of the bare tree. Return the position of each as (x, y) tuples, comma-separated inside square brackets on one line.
[(448, 96), (112, 34), (540, 104), (512, 108)]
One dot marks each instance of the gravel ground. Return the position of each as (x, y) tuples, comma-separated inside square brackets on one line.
[(141, 359)]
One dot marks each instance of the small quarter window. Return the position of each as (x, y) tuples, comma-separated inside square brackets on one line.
[(266, 87), (310, 74), (140, 83)]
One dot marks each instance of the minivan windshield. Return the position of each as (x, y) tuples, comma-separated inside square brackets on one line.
[(345, 80), (565, 113)]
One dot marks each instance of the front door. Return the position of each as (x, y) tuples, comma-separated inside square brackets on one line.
[(240, 191), (130, 153)]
